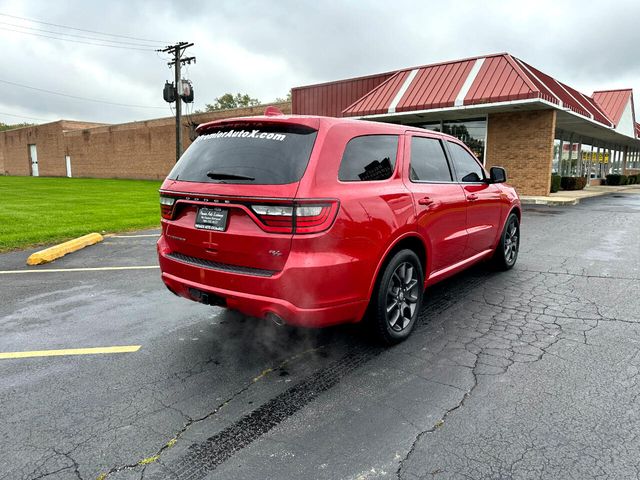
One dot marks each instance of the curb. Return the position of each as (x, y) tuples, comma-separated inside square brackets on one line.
[(52, 253), (552, 202)]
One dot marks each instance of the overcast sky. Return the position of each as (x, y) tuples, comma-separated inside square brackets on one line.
[(263, 48)]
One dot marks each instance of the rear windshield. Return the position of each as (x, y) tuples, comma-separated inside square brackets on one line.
[(256, 154)]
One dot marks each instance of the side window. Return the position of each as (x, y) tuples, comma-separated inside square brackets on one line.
[(428, 161), (367, 158), (468, 169)]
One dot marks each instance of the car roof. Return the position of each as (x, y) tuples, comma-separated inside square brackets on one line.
[(316, 121)]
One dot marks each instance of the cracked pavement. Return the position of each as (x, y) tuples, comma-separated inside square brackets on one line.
[(532, 373)]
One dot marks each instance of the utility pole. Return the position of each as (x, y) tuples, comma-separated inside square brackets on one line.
[(177, 50)]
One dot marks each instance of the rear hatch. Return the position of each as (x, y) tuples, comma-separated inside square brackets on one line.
[(231, 199)]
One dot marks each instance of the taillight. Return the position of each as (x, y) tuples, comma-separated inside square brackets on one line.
[(275, 218), (166, 206), (312, 218), (299, 218)]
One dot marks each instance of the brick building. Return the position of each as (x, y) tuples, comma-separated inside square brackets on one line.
[(508, 112), (144, 150)]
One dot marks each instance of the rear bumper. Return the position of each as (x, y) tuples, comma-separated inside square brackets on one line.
[(289, 294)]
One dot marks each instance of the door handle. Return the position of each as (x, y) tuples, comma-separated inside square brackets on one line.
[(425, 201), (472, 196)]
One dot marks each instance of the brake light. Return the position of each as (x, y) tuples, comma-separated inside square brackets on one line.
[(315, 218), (166, 206), (300, 218), (275, 218)]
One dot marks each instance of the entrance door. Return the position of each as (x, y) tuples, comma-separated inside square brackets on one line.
[(67, 160), (33, 157)]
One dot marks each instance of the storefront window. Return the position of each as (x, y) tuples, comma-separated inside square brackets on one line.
[(555, 166), (472, 132), (435, 126)]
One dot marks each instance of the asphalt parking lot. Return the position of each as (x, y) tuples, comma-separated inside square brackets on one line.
[(532, 373)]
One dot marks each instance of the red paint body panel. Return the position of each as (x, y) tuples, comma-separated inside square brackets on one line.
[(324, 278), (442, 222)]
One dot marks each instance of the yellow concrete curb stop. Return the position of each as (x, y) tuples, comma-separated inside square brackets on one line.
[(50, 254)]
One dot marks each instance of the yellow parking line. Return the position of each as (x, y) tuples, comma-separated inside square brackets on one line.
[(70, 351), (87, 269)]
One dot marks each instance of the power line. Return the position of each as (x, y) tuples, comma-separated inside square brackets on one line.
[(83, 29), (77, 97), (74, 35), (24, 116), (78, 41)]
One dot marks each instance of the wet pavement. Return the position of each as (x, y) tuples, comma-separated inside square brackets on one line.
[(532, 373)]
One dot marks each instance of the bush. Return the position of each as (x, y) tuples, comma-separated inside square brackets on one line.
[(555, 183), (573, 183), (632, 179), (616, 179)]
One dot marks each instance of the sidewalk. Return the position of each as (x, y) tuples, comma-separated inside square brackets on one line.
[(573, 197)]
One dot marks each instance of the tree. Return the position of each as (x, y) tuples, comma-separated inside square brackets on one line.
[(228, 100), (6, 126), (286, 99)]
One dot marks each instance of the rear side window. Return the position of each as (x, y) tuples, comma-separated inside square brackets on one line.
[(257, 154), (468, 169), (428, 161), (368, 158)]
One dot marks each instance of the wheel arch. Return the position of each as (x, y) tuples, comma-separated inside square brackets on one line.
[(517, 210)]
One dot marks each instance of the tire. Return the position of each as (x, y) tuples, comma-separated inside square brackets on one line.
[(506, 253), (397, 298)]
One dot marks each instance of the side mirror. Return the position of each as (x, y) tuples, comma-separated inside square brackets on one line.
[(497, 175)]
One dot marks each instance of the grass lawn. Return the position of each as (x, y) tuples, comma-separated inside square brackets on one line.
[(40, 210)]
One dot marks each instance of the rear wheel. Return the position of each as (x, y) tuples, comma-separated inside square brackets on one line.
[(397, 298), (506, 252)]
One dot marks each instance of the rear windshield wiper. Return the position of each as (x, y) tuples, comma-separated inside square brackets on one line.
[(227, 176)]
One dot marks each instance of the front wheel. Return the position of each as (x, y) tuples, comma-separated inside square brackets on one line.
[(506, 253), (397, 298)]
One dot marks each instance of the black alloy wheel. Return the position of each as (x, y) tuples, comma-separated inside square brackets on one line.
[(397, 298), (506, 254)]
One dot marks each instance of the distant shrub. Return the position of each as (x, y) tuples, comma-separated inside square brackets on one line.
[(573, 183), (632, 179), (555, 183), (616, 179)]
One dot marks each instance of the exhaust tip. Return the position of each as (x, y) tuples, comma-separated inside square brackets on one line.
[(275, 319)]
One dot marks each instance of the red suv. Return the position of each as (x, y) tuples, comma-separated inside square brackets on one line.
[(316, 221)]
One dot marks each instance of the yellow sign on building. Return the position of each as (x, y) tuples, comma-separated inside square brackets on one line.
[(602, 157)]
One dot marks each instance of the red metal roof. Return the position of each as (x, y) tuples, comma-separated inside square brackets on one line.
[(435, 87), (570, 98), (613, 102), (329, 99), (500, 80), (473, 81), (438, 86), (378, 100)]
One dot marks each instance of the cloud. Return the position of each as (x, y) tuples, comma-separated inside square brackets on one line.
[(264, 48)]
